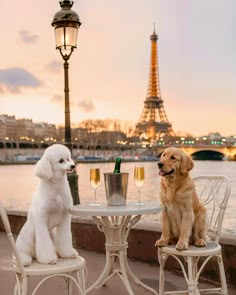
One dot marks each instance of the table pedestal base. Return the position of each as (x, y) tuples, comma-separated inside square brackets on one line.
[(116, 230)]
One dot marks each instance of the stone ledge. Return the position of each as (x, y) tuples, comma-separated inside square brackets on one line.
[(141, 243)]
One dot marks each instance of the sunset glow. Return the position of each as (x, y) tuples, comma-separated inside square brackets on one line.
[(109, 70)]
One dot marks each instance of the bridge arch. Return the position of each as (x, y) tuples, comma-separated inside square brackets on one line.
[(209, 152), (208, 155), (204, 152)]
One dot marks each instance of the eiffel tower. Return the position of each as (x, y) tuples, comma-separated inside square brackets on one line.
[(153, 121)]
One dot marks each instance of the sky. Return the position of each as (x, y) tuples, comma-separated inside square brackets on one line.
[(109, 70)]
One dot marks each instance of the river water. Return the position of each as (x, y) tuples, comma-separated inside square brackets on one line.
[(18, 183)]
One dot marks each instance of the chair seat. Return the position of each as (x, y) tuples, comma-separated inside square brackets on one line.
[(212, 248), (62, 266)]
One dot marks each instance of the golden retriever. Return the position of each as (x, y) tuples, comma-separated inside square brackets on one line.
[(183, 217)]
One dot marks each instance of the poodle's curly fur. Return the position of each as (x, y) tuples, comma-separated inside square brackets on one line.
[(46, 235)]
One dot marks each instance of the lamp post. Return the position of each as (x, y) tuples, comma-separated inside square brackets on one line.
[(66, 23)]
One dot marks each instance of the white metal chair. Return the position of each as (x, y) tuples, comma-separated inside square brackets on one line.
[(73, 270), (213, 192)]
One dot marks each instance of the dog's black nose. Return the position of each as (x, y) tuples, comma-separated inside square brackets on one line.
[(72, 166), (160, 164)]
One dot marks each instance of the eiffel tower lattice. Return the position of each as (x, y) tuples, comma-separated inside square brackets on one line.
[(153, 121)]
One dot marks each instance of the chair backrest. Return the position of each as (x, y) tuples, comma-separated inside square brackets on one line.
[(213, 192), (16, 257)]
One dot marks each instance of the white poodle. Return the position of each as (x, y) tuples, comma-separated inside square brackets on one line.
[(46, 234)]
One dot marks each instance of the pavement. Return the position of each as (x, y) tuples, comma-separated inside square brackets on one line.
[(147, 273)]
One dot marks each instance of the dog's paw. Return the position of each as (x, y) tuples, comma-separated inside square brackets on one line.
[(26, 259), (181, 245), (69, 254), (75, 253), (161, 243), (53, 261), (47, 260), (200, 243)]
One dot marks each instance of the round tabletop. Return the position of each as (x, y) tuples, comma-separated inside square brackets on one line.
[(131, 208)]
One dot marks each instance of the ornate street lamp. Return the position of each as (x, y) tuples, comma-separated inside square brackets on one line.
[(66, 23)]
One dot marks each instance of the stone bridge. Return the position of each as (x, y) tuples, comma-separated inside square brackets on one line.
[(9, 150), (204, 151)]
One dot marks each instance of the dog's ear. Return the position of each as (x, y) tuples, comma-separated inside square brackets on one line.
[(186, 164), (43, 168)]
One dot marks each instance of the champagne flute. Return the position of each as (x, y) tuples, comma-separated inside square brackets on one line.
[(95, 181), (139, 176)]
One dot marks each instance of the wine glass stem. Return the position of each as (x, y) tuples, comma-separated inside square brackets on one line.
[(95, 195), (139, 194)]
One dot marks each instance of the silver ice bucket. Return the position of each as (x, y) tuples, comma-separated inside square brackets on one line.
[(116, 185)]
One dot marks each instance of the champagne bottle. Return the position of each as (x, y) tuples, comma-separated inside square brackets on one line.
[(117, 166)]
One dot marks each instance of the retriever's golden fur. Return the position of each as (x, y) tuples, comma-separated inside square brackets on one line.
[(183, 217)]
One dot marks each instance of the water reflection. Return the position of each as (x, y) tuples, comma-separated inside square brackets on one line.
[(18, 184)]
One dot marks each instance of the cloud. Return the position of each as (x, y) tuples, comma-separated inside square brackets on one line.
[(54, 66), (13, 79), (26, 37), (58, 99), (87, 105)]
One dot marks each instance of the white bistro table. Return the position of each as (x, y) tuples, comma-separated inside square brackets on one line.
[(115, 222)]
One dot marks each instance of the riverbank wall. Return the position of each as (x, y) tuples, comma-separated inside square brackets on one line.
[(141, 242), (31, 155)]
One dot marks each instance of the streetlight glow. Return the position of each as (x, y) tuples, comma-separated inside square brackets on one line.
[(66, 23)]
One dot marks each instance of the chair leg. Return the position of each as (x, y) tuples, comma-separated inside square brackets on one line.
[(162, 260), (81, 280), (192, 284), (222, 275), (17, 289), (16, 292), (69, 285), (21, 285), (24, 286)]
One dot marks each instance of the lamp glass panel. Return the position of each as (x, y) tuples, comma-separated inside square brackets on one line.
[(66, 37), (59, 37), (71, 36)]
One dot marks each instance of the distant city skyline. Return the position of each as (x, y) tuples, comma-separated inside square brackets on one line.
[(109, 70), (82, 126)]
